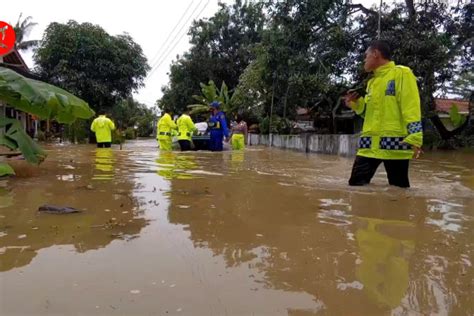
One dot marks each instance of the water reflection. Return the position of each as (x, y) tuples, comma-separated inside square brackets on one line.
[(373, 246), (104, 164), (172, 165), (383, 268), (6, 197), (109, 210)]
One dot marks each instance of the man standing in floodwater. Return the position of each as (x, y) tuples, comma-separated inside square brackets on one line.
[(218, 127), (103, 127), (164, 130), (392, 131), (186, 129)]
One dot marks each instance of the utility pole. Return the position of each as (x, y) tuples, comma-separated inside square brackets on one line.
[(271, 114), (380, 18)]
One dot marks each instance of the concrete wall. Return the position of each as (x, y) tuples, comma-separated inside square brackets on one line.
[(344, 145)]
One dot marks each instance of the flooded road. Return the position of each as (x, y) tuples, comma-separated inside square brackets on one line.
[(260, 232)]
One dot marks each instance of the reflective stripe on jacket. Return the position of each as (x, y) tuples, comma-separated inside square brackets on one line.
[(185, 127), (392, 114), (165, 127)]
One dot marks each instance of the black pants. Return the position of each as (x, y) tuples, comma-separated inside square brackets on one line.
[(364, 169), (104, 145), (184, 144)]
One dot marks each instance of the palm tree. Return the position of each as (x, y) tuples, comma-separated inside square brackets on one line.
[(22, 30)]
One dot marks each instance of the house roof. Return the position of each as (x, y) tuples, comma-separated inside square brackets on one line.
[(14, 59), (444, 105)]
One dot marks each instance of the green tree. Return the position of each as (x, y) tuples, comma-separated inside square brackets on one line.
[(130, 114), (430, 37), (305, 45), (221, 50), (94, 65)]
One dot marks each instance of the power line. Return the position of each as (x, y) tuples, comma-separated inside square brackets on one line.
[(154, 59), (168, 51), (165, 52)]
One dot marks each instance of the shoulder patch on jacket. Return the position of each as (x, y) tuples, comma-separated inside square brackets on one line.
[(390, 88)]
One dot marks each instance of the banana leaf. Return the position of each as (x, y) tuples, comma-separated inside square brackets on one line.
[(6, 170), (41, 99), (16, 138)]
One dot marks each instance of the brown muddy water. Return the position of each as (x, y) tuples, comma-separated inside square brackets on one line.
[(260, 232)]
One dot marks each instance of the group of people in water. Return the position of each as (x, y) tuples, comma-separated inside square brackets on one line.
[(184, 129)]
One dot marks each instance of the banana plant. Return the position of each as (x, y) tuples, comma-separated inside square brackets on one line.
[(37, 98), (210, 93)]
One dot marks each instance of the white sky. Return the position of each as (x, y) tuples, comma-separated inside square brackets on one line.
[(148, 22)]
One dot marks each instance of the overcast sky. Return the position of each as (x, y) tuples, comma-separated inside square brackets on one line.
[(149, 23)]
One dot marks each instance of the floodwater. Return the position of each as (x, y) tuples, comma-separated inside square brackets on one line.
[(260, 232)]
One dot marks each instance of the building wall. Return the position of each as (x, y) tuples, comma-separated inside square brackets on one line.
[(343, 145)]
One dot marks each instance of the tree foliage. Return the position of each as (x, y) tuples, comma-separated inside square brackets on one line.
[(86, 60), (276, 56), (130, 114), (221, 50)]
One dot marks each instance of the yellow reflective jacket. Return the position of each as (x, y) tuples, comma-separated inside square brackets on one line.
[(165, 127), (103, 127), (392, 114), (185, 127)]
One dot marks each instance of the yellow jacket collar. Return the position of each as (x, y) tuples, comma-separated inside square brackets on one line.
[(384, 68)]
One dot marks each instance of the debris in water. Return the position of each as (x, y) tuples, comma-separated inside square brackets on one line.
[(172, 285), (259, 235), (179, 309), (21, 236), (107, 210), (54, 209), (353, 285), (135, 291)]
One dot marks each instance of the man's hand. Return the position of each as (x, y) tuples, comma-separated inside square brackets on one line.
[(351, 97), (417, 152)]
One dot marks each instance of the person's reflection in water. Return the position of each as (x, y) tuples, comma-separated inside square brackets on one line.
[(104, 164), (384, 266), (237, 158), (172, 165)]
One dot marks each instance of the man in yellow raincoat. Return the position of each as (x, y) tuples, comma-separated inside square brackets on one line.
[(102, 126), (186, 129), (164, 130), (392, 131)]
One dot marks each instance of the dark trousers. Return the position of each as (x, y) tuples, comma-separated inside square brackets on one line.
[(104, 145), (215, 143), (364, 169), (184, 144)]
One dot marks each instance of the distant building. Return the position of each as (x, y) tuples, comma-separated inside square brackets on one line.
[(443, 106)]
